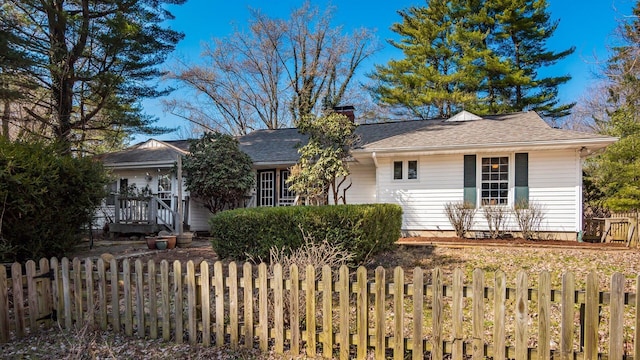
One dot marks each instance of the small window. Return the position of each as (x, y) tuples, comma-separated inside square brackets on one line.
[(412, 168), (405, 170), (495, 180), (397, 170)]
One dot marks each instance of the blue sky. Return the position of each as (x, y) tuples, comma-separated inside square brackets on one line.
[(588, 25)]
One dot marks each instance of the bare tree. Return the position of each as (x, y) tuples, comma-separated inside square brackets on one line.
[(273, 73)]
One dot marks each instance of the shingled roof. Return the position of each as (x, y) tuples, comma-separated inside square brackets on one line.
[(516, 129), (270, 147)]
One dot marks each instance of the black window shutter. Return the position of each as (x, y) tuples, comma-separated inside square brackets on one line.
[(521, 196), (470, 180)]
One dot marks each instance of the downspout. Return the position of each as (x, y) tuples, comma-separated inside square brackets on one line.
[(375, 162)]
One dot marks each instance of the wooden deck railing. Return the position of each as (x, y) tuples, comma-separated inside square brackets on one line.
[(343, 314)]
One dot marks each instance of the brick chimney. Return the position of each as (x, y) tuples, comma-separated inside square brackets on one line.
[(346, 111)]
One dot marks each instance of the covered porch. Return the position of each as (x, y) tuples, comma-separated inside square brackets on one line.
[(147, 214)]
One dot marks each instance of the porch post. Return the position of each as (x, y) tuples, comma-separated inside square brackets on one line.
[(180, 216)]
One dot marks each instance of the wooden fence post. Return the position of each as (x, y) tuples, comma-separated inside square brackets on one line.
[(247, 291), (310, 296), (436, 315), (522, 315), (362, 312), (544, 313), (380, 298), (343, 288), (294, 310), (178, 303), (591, 315), (398, 308), (457, 314), (478, 314), (499, 312), (4, 306), (568, 300), (327, 308), (417, 347), (205, 302)]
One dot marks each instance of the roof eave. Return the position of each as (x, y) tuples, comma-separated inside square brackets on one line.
[(529, 145)]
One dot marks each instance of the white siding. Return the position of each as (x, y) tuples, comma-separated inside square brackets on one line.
[(363, 185), (554, 183), (439, 181), (198, 216)]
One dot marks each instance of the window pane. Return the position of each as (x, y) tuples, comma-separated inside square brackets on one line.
[(397, 170), (495, 180), (412, 167)]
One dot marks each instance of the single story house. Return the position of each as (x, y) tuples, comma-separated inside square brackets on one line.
[(422, 165)]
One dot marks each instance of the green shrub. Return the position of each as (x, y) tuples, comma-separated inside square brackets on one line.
[(362, 230), (45, 199)]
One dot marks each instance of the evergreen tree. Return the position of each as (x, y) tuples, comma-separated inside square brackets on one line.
[(616, 172), (481, 55), (94, 60)]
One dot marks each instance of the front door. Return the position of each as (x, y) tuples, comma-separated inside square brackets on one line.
[(266, 188)]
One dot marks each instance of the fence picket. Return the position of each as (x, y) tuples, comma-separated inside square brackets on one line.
[(66, 294), (294, 310), (436, 315), (45, 301), (477, 316), (218, 284), (327, 308), (247, 291), (115, 295), (362, 312), (178, 302), (345, 292), (456, 314), (102, 294), (191, 303), (566, 331), (398, 308), (522, 315), (591, 313), (78, 306), (139, 287), (56, 290), (165, 310), (379, 314), (418, 298), (232, 286), (310, 305), (544, 311), (18, 299), (278, 308), (153, 299), (128, 307), (616, 331), (499, 312), (205, 294), (263, 293), (32, 296), (4, 306), (88, 268)]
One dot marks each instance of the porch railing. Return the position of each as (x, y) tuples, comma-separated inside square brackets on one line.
[(148, 210)]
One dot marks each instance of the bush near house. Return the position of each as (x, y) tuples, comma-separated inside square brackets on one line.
[(363, 230), (45, 199)]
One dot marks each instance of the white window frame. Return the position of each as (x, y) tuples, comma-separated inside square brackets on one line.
[(510, 178), (405, 170)]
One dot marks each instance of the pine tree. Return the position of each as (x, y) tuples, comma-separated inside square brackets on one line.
[(428, 81), (481, 55), (523, 28), (94, 60)]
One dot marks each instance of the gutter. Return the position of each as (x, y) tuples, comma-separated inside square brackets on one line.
[(465, 148)]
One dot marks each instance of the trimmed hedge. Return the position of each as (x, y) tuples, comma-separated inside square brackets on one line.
[(363, 230)]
